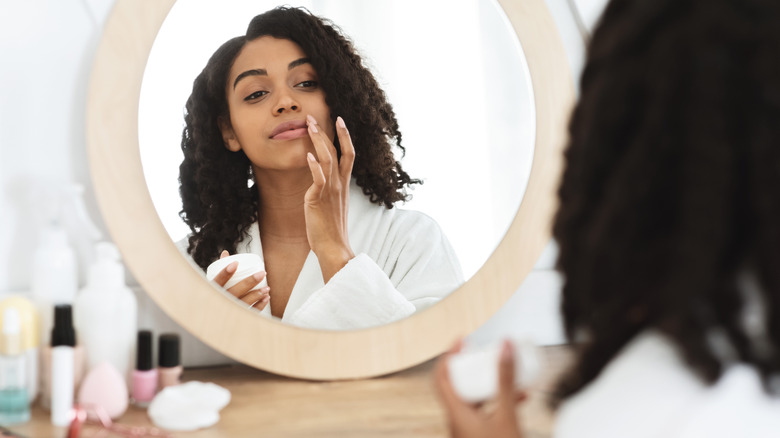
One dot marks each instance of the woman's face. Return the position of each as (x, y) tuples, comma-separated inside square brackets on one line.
[(271, 88)]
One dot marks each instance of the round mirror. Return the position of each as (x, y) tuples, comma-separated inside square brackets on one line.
[(503, 118), (462, 96)]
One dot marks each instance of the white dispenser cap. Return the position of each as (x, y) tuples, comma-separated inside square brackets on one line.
[(107, 271), (12, 332)]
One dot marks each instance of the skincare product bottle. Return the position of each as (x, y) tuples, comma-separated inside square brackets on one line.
[(169, 365), (55, 275), (106, 312), (28, 316), (144, 385), (63, 339), (46, 367), (14, 401)]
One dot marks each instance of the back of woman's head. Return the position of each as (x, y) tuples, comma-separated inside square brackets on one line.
[(671, 192)]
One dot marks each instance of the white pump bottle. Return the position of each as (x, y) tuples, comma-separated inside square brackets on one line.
[(106, 313)]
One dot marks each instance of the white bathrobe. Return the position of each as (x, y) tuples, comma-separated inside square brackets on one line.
[(403, 264)]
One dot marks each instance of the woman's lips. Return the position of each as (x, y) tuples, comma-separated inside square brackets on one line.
[(291, 134), (289, 130)]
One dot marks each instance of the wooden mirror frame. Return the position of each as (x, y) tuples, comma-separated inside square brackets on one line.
[(120, 187)]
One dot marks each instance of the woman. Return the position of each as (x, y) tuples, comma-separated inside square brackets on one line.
[(278, 123), (669, 230)]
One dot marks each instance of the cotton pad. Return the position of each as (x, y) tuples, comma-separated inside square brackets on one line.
[(474, 371), (248, 264), (189, 406)]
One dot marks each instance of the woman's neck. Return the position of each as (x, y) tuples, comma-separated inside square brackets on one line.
[(280, 209)]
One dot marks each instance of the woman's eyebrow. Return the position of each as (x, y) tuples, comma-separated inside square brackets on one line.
[(264, 72), (253, 72)]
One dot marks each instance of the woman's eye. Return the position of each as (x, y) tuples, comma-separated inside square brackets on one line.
[(307, 84), (256, 95)]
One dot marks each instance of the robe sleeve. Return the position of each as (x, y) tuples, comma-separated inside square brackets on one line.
[(415, 268)]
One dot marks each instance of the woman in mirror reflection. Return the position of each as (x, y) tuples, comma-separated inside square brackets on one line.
[(288, 154), (669, 231)]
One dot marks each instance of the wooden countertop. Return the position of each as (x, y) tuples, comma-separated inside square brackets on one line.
[(403, 404)]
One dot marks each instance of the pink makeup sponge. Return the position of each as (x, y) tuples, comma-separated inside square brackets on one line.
[(104, 387)]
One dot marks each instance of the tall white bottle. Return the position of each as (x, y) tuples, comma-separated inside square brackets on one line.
[(106, 313), (55, 276)]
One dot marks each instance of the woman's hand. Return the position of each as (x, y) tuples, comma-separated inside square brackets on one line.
[(467, 420), (243, 289), (327, 200)]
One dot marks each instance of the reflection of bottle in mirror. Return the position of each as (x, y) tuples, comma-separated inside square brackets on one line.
[(474, 371), (144, 380), (248, 264), (169, 365), (14, 400)]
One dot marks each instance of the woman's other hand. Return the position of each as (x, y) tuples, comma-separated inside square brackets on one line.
[(467, 420), (327, 200), (242, 290)]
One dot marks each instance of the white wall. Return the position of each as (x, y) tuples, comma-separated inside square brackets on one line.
[(47, 48)]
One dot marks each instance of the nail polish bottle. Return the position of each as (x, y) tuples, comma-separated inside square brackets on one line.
[(144, 380), (169, 365), (63, 341)]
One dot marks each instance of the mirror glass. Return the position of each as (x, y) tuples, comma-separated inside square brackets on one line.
[(454, 73)]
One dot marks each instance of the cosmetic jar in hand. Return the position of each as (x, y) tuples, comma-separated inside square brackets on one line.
[(474, 371), (248, 264)]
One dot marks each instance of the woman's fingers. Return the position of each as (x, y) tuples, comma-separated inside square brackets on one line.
[(260, 305), (244, 287), (347, 151), (315, 191), (452, 403), (507, 395), (255, 297), (225, 274), (324, 155), (224, 254)]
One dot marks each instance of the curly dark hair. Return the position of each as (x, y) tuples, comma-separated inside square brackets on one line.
[(671, 191), (214, 181)]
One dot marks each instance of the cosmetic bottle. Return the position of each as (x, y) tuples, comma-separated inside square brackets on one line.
[(46, 367), (14, 400), (105, 313), (28, 316), (55, 275), (169, 366), (144, 381), (63, 340)]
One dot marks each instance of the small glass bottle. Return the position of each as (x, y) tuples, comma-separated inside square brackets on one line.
[(168, 361), (14, 399), (144, 378)]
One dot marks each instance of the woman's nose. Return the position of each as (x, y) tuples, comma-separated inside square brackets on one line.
[(286, 103)]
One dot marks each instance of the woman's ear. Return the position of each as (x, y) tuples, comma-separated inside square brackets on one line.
[(228, 135)]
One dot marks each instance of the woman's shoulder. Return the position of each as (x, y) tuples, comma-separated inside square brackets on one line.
[(363, 209), (649, 391)]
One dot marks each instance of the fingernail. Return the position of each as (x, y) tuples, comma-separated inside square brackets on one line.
[(266, 299), (231, 268), (312, 123), (258, 275), (224, 253), (265, 290), (340, 122), (310, 157)]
